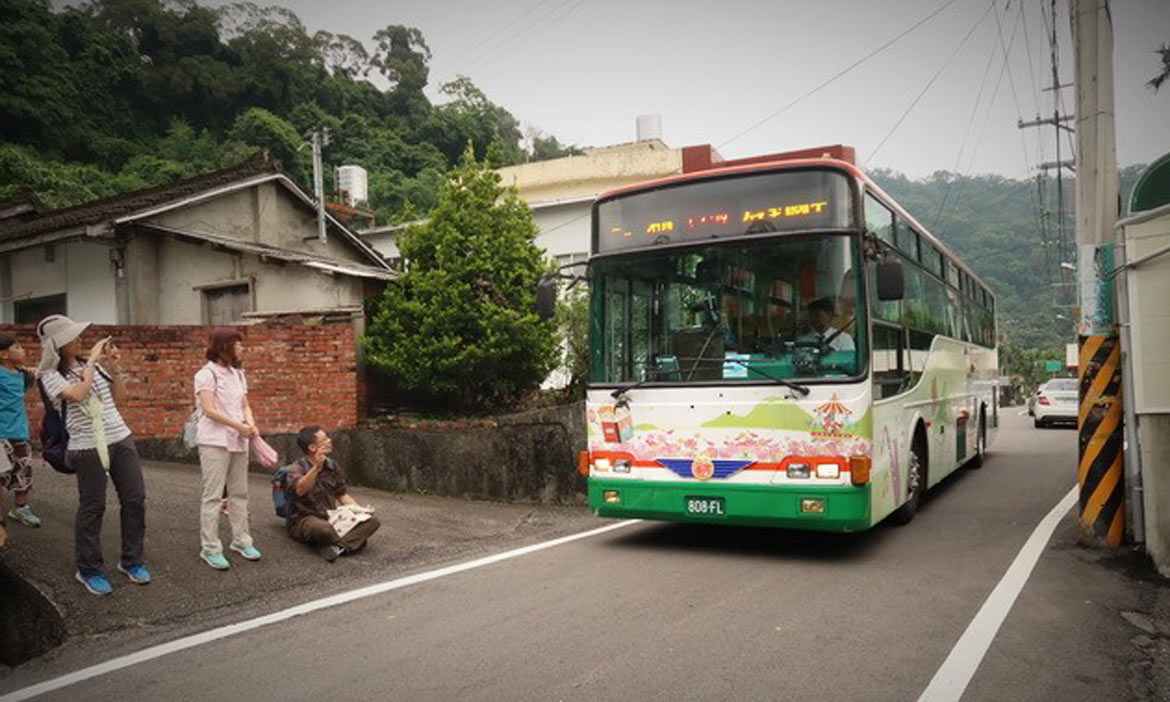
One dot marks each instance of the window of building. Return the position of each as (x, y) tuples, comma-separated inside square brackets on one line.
[(35, 309)]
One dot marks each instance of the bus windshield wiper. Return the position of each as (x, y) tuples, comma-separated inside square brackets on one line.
[(802, 389), (650, 373)]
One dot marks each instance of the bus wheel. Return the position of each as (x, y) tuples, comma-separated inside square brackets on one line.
[(980, 442), (915, 484)]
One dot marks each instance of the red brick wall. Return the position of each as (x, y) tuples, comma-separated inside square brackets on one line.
[(297, 375)]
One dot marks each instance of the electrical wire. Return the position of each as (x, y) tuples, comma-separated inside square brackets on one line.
[(509, 41), (841, 73), (929, 83), (966, 134)]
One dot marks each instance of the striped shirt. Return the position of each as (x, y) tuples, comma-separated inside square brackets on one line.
[(77, 422)]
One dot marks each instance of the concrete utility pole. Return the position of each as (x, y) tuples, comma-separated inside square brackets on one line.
[(1100, 469)]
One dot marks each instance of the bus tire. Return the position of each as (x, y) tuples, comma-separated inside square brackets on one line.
[(980, 442), (915, 479)]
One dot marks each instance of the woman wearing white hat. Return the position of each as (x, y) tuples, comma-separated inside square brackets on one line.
[(100, 444)]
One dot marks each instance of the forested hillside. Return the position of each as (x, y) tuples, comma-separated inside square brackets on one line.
[(123, 94)]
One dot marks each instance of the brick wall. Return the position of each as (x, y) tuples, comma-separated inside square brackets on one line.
[(297, 375)]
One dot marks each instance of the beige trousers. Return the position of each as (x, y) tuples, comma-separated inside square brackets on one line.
[(222, 467)]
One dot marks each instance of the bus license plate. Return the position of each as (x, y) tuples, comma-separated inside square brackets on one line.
[(706, 506)]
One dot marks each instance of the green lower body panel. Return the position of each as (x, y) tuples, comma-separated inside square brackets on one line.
[(845, 508)]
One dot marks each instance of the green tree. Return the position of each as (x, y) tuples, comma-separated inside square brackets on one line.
[(459, 327), (260, 128)]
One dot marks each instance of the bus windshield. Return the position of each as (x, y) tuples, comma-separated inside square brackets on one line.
[(783, 308)]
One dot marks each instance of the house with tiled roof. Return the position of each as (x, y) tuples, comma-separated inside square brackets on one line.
[(223, 247)]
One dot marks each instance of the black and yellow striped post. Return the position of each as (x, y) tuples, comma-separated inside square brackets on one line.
[(1100, 468)]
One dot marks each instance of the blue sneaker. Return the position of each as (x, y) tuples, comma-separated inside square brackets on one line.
[(137, 574), (25, 516), (248, 552), (96, 584), (215, 560)]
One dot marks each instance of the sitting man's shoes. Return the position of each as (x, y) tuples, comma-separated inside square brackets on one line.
[(331, 552), (136, 573), (248, 552), (95, 583), (25, 516), (215, 560)]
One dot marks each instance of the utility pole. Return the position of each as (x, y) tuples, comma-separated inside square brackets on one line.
[(1100, 466)]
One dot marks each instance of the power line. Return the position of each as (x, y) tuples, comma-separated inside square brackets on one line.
[(471, 52), (841, 73), (515, 37), (930, 83), (536, 30), (966, 134)]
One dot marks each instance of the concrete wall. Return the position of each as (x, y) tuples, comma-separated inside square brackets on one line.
[(564, 229), (80, 270), (528, 457), (1149, 314)]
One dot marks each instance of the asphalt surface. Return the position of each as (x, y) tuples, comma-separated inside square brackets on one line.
[(668, 612)]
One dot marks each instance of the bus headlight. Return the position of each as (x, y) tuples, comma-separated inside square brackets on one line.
[(798, 470), (602, 465), (621, 465), (611, 497), (829, 471)]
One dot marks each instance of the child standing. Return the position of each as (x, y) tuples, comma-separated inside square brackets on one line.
[(16, 464)]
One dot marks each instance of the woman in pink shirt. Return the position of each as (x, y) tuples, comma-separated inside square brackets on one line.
[(223, 435)]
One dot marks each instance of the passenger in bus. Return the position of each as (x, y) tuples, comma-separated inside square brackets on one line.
[(820, 313)]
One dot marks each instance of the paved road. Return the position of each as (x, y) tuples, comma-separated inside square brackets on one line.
[(675, 612)]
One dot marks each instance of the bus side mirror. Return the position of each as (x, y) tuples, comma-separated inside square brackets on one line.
[(891, 284), (546, 298)]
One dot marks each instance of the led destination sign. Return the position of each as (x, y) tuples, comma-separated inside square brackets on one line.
[(741, 205)]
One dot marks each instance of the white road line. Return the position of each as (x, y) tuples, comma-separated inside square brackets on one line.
[(223, 632), (956, 672)]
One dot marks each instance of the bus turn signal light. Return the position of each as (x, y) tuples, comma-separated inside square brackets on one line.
[(583, 463), (859, 469)]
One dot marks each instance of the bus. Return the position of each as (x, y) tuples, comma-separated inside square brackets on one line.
[(780, 344)]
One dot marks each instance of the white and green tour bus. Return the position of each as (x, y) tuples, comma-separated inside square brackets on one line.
[(779, 344)]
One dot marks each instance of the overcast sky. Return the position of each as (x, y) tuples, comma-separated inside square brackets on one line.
[(583, 70)]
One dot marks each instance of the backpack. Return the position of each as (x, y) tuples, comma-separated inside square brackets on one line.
[(54, 435), (54, 432), (280, 501)]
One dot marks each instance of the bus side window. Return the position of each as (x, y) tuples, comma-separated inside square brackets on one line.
[(879, 219), (889, 369)]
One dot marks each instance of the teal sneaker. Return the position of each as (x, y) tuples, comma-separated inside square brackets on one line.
[(248, 552), (215, 560), (95, 583), (24, 515), (137, 574)]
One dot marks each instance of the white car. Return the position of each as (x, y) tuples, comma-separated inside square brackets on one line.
[(1056, 401)]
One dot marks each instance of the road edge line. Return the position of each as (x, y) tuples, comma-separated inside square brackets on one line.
[(951, 679), (186, 642)]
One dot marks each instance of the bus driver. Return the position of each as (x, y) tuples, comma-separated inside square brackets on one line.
[(820, 313)]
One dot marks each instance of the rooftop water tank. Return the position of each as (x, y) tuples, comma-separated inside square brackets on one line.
[(353, 185), (649, 127)]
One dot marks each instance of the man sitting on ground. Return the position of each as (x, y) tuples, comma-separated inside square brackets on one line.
[(316, 489)]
